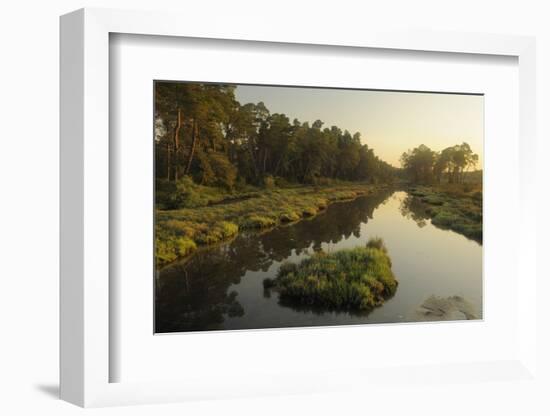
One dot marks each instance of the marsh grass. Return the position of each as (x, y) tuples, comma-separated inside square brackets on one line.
[(457, 207), (211, 215), (357, 279), (289, 216)]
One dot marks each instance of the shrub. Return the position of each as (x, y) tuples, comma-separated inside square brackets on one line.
[(185, 246), (269, 182), (343, 195), (169, 249), (309, 211), (219, 231), (322, 204), (228, 229), (165, 250), (289, 216)]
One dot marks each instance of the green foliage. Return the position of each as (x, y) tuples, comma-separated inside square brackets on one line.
[(258, 221), (228, 229), (356, 279), (309, 211), (217, 170), (321, 203), (423, 165), (289, 216), (215, 215), (202, 131), (433, 199), (179, 238), (186, 193), (216, 233), (456, 207), (169, 248), (185, 246), (344, 195), (445, 218)]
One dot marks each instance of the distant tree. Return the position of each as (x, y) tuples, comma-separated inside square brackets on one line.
[(419, 163), (424, 165), (456, 160)]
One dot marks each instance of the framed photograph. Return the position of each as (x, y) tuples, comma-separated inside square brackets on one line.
[(310, 209), (266, 221)]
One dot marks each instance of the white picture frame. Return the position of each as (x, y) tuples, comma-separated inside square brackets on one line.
[(85, 355)]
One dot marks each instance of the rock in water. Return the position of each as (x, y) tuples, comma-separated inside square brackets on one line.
[(453, 308)]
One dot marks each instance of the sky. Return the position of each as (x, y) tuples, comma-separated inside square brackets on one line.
[(389, 122)]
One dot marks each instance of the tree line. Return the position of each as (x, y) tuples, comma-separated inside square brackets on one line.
[(202, 131), (422, 164)]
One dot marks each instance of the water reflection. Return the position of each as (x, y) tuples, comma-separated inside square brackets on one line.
[(221, 287), (413, 208), (195, 294)]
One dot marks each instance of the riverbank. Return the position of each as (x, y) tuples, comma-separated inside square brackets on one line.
[(221, 286), (180, 232), (454, 207)]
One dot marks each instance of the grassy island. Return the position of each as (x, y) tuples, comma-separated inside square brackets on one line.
[(357, 279)]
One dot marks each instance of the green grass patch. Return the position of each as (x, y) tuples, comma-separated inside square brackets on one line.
[(170, 248), (258, 221), (176, 239), (357, 279), (289, 216), (433, 200), (309, 211), (322, 203), (208, 215), (457, 207)]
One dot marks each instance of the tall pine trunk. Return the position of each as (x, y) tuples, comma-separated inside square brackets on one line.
[(168, 160), (253, 159), (179, 124), (194, 140)]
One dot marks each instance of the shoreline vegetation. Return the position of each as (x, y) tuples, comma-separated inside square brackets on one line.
[(354, 280), (456, 207), (212, 216)]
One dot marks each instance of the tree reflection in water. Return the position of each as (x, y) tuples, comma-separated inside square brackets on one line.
[(413, 208), (195, 295)]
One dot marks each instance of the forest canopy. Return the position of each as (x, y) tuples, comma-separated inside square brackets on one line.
[(202, 131)]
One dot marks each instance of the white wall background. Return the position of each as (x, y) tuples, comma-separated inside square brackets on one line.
[(29, 210)]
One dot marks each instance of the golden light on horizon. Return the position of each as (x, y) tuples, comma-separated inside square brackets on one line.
[(390, 122)]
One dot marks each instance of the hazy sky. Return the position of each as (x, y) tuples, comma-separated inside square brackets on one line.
[(389, 122)]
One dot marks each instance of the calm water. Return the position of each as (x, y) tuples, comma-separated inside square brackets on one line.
[(221, 287)]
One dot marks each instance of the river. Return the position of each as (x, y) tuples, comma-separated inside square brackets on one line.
[(221, 287)]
